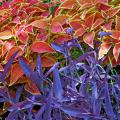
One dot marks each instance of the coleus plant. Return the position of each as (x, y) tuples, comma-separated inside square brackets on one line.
[(81, 89), (88, 18)]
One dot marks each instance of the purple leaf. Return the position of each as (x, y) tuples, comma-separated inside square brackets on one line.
[(12, 115), (37, 80), (40, 112), (57, 86), (25, 67), (51, 69), (3, 100), (57, 47), (18, 93), (3, 94), (103, 33), (108, 105), (47, 112), (39, 66), (69, 30)]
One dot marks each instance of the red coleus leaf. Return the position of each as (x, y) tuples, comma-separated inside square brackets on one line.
[(16, 73), (42, 36), (45, 14), (18, 1), (104, 48), (103, 7), (48, 60), (12, 51), (115, 34), (116, 51), (62, 38), (23, 37), (32, 88), (40, 23), (15, 10), (32, 2), (107, 26), (5, 5), (76, 24), (88, 38), (41, 47), (29, 29), (68, 4), (56, 27), (117, 26), (89, 21), (16, 20), (6, 35), (57, 12), (97, 23)]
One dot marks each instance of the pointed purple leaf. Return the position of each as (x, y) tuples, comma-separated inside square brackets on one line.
[(57, 47), (39, 66), (25, 67), (57, 86), (108, 105)]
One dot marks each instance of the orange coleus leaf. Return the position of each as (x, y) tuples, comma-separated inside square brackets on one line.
[(104, 48), (117, 26), (56, 27), (12, 51), (6, 35), (48, 60), (60, 19), (41, 47), (115, 34), (68, 4), (32, 88), (16, 73), (88, 38), (80, 32), (76, 24), (116, 51), (40, 23), (97, 23)]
